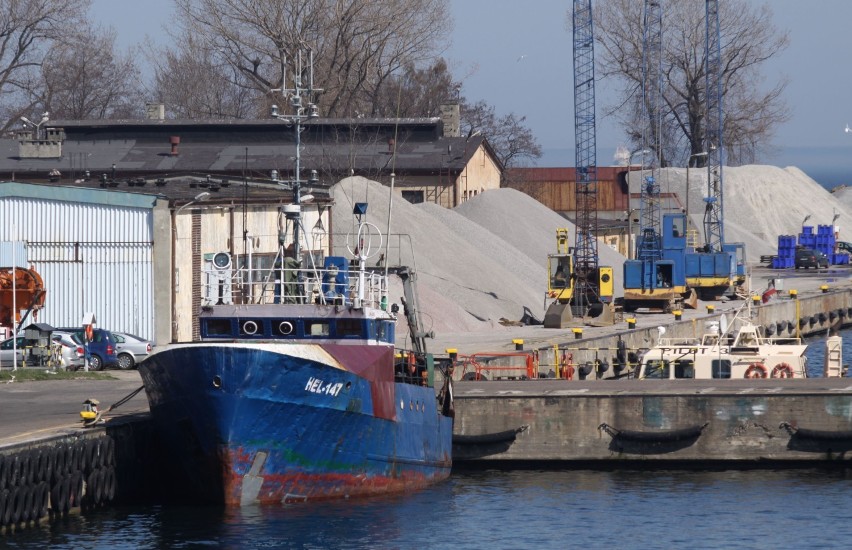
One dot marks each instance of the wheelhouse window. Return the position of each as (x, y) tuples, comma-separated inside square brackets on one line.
[(316, 328), (349, 328), (684, 368), (721, 368), (655, 368)]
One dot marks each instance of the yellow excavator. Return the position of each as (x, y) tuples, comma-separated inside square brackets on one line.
[(592, 307)]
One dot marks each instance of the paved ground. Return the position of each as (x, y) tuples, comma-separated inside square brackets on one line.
[(804, 281), (34, 410)]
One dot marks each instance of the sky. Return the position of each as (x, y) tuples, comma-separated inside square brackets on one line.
[(517, 56)]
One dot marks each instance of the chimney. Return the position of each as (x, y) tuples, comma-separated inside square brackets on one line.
[(155, 111), (451, 116), (175, 141)]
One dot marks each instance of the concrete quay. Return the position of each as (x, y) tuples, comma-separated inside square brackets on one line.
[(607, 423)]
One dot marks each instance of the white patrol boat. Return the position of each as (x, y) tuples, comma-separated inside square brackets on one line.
[(736, 351)]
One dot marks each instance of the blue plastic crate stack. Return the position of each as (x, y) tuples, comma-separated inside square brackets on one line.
[(823, 241), (786, 252)]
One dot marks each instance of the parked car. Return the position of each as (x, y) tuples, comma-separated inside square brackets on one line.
[(808, 257), (843, 246), (102, 352), (73, 356), (7, 352), (131, 349)]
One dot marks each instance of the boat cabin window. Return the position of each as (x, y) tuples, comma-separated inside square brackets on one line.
[(720, 368), (217, 327), (316, 328), (656, 368), (349, 328), (684, 368)]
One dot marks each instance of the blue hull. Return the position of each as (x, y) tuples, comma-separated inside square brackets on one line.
[(267, 422)]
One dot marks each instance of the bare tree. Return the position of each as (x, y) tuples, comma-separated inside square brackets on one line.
[(84, 76), (357, 44), (193, 82), (28, 28), (513, 143), (752, 111)]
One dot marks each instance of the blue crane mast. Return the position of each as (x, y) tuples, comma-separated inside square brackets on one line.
[(649, 248), (585, 139), (589, 291), (713, 211)]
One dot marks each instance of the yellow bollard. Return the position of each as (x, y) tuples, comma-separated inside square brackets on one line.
[(578, 333), (631, 323), (519, 344), (677, 313), (711, 308)]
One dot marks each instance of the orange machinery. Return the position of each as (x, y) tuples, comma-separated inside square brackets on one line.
[(29, 294)]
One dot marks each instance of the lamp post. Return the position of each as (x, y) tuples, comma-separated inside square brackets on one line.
[(44, 118), (688, 162)]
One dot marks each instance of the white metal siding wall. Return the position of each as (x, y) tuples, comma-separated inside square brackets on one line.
[(92, 257)]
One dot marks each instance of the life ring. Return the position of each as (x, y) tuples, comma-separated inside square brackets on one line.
[(782, 370), (568, 372), (755, 370), (90, 333)]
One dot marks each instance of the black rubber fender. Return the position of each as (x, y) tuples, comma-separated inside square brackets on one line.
[(56, 497), (6, 518), (832, 315), (65, 495), (4, 505), (770, 330), (780, 326), (24, 460), (59, 468), (99, 487), (790, 326), (75, 495), (4, 472), (109, 484), (109, 451), (69, 459), (27, 506), (42, 499), (90, 457), (47, 458), (36, 463), (89, 499), (17, 505), (14, 464), (841, 312)]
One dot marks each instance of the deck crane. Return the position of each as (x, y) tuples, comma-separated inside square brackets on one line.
[(588, 293), (655, 279)]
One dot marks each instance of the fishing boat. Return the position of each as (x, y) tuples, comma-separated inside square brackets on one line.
[(298, 393), (734, 350)]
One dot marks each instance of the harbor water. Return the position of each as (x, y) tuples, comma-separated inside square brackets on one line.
[(503, 509)]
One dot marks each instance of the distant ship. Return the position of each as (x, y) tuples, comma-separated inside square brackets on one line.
[(300, 395)]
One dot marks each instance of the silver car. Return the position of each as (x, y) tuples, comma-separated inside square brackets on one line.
[(130, 349), (71, 354), (7, 352)]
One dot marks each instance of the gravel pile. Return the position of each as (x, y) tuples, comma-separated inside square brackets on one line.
[(485, 261)]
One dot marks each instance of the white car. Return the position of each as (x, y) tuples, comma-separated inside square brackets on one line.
[(130, 349), (73, 356)]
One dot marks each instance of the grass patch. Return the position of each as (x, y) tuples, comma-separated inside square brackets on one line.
[(34, 374)]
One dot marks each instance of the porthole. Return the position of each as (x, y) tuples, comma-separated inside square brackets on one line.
[(285, 327), (249, 327), (217, 381)]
